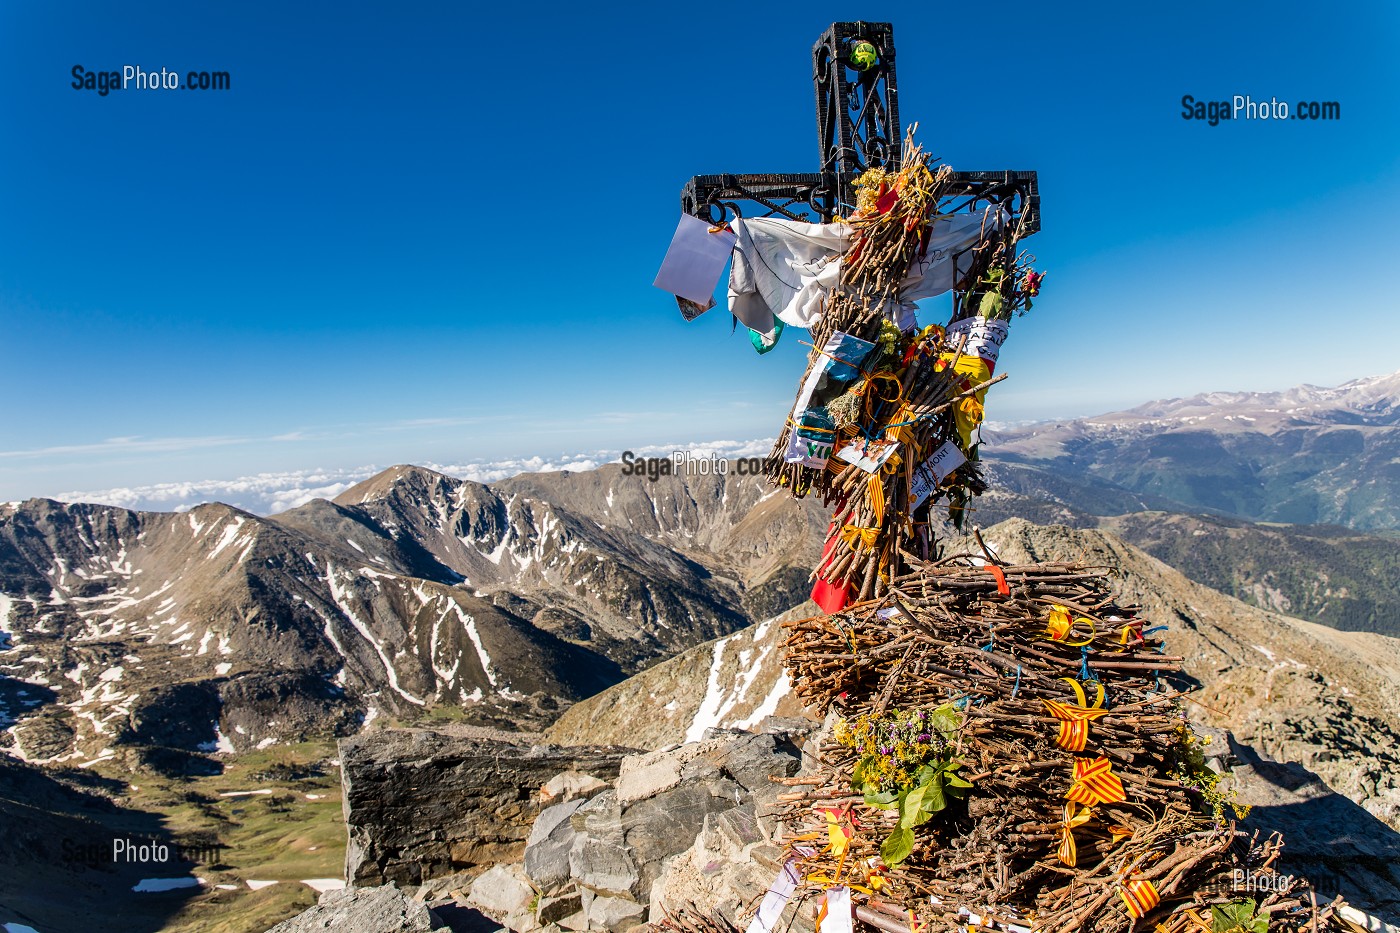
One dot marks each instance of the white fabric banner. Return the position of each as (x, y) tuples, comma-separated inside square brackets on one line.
[(838, 911), (984, 337)]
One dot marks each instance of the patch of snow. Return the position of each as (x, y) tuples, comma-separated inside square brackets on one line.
[(708, 714), (222, 668), (259, 885), (322, 885), (1264, 651), (354, 545), (244, 793), (341, 597), (781, 688), (230, 533)]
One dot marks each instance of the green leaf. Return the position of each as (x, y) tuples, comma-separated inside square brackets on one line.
[(897, 847), (1234, 916), (879, 799), (934, 799), (991, 304), (858, 774), (959, 783), (945, 719), (911, 812)]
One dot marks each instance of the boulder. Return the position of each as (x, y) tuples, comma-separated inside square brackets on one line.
[(571, 785), (420, 805), (502, 893), (383, 909), (547, 848)]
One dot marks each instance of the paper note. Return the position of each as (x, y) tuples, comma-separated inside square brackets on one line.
[(766, 920), (984, 337), (838, 911), (931, 472), (694, 263)]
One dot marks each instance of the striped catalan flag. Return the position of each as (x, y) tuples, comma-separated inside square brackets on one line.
[(1095, 782), (1139, 896), (1074, 723)]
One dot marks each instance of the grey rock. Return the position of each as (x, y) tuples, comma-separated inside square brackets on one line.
[(603, 867), (559, 908), (615, 914), (419, 805), (502, 892), (383, 909), (547, 848), (600, 818)]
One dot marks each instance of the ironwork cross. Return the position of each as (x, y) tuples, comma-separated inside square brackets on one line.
[(857, 128)]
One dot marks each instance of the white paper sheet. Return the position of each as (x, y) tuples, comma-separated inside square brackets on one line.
[(695, 261)]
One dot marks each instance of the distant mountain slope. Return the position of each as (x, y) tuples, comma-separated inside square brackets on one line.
[(1295, 690), (1339, 578), (1306, 455)]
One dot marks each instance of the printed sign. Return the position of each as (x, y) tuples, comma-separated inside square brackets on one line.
[(984, 337), (932, 471), (807, 451)]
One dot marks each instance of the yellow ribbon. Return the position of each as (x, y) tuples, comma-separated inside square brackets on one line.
[(1074, 720), (1061, 624), (1068, 853), (968, 412), (851, 534)]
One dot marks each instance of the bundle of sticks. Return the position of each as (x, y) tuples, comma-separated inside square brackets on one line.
[(882, 249), (1071, 793)]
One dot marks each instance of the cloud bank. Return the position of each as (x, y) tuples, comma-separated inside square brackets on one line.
[(270, 493)]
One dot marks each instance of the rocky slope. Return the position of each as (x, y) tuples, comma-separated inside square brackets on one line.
[(216, 629), (1294, 690), (1305, 455)]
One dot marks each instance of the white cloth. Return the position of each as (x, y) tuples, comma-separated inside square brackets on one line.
[(786, 270)]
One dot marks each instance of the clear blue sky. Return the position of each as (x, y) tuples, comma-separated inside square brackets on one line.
[(427, 231)]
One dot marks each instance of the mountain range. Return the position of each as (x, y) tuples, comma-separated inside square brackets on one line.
[(1303, 456), (613, 607)]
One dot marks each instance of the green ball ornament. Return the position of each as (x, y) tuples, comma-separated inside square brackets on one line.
[(864, 56)]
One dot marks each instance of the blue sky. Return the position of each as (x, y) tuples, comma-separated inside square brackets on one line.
[(427, 232)]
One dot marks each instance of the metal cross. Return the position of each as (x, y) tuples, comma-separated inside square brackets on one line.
[(857, 128)]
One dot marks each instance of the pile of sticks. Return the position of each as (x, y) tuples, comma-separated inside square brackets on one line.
[(1005, 646)]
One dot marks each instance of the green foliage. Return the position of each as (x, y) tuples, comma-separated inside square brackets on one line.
[(1238, 917), (906, 764), (1193, 772)]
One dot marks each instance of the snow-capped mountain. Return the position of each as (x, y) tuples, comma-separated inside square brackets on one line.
[(217, 629)]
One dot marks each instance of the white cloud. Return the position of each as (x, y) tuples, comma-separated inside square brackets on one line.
[(269, 493)]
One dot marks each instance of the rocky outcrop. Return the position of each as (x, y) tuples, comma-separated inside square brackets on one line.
[(384, 910), (420, 805), (609, 862)]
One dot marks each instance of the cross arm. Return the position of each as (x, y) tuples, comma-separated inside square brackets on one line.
[(810, 197)]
